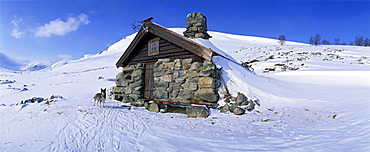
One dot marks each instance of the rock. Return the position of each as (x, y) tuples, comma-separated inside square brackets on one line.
[(251, 105), (209, 95), (136, 84), (185, 94), (195, 66), (240, 98), (127, 99), (197, 111), (238, 111), (137, 104), (153, 107), (170, 64), (174, 94), (134, 96), (161, 84), (187, 61), (186, 67), (190, 86), (137, 73), (225, 108), (191, 74), (208, 82), (160, 94), (166, 78), (180, 80), (175, 86)]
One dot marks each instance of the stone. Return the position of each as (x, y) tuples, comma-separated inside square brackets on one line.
[(185, 94), (178, 66), (127, 99), (251, 105), (119, 78), (166, 78), (195, 66), (153, 107), (137, 73), (197, 111), (193, 80), (190, 86), (209, 73), (174, 94), (187, 61), (186, 67), (240, 99), (208, 66), (134, 96), (191, 74), (119, 90), (225, 108), (137, 78), (169, 71), (208, 82), (209, 95), (160, 94), (238, 111), (137, 104), (165, 60), (180, 80), (175, 86), (161, 84), (136, 84), (170, 64)]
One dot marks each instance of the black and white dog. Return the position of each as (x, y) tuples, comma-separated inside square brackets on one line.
[(99, 98)]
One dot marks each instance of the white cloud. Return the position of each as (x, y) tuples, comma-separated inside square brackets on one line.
[(60, 28), (16, 32), (16, 21)]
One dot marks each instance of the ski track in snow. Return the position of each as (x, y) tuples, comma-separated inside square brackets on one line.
[(100, 129)]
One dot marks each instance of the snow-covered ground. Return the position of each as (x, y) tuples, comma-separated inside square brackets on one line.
[(321, 106)]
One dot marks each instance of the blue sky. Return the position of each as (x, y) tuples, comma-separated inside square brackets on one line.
[(56, 30)]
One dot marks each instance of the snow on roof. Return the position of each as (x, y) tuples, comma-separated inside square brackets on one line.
[(209, 44)]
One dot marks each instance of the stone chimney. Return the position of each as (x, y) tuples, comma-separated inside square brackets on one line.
[(196, 26)]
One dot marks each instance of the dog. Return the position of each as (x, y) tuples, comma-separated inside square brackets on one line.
[(99, 98)]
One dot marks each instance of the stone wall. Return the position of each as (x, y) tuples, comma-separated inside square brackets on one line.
[(179, 80), (184, 80), (130, 83)]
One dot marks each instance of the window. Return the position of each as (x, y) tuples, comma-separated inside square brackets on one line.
[(153, 47)]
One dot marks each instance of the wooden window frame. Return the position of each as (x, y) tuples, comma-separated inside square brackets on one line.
[(153, 50)]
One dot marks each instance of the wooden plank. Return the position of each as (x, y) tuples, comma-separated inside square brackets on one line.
[(149, 81)]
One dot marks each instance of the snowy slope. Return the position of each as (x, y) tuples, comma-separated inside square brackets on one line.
[(322, 106)]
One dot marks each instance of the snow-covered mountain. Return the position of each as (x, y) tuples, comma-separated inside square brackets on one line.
[(7, 63), (315, 99), (21, 65)]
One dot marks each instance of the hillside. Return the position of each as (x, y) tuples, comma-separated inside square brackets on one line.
[(320, 106), (8, 63)]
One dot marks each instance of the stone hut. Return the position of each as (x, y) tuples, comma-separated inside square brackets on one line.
[(164, 66)]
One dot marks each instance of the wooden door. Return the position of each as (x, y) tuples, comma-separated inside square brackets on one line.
[(149, 81)]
